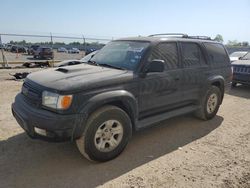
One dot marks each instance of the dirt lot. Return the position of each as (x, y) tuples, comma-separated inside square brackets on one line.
[(14, 57), (180, 152)]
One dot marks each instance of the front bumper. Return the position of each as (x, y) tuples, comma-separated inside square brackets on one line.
[(241, 78), (57, 127)]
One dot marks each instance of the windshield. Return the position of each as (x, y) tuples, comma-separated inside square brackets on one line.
[(246, 57), (237, 54), (121, 54), (89, 56)]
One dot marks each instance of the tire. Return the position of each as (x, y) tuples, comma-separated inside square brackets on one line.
[(210, 104), (98, 144), (233, 84)]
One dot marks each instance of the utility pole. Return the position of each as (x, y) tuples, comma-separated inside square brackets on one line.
[(51, 42), (3, 57), (84, 44)]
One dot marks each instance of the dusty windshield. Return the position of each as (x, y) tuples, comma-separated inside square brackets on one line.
[(121, 54)]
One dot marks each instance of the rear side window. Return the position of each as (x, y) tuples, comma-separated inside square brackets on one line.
[(216, 53), (192, 55), (166, 52)]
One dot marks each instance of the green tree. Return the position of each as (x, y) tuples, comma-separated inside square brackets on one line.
[(219, 38), (245, 43), (233, 43)]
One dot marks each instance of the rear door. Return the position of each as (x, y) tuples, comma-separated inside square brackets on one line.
[(195, 71), (160, 91)]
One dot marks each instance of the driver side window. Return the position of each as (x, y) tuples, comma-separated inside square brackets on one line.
[(166, 52)]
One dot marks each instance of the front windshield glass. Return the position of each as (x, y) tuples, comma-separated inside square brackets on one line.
[(121, 54), (89, 56), (246, 57)]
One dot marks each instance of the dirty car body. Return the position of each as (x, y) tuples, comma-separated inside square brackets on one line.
[(149, 78)]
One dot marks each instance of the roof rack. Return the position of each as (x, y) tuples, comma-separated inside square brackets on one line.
[(181, 35), (170, 34), (200, 37)]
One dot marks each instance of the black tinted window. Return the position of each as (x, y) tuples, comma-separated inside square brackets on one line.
[(166, 52), (216, 52), (192, 55)]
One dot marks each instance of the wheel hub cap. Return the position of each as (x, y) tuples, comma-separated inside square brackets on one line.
[(108, 135), (212, 103)]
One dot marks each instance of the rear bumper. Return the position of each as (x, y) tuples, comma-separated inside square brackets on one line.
[(57, 127)]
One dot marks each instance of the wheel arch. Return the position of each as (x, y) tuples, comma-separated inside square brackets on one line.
[(120, 98), (219, 82)]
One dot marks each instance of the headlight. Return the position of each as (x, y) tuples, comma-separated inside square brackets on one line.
[(56, 101)]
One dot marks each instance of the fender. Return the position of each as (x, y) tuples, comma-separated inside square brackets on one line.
[(216, 78), (126, 98), (221, 80)]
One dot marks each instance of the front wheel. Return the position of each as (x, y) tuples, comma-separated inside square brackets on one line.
[(107, 132), (210, 104)]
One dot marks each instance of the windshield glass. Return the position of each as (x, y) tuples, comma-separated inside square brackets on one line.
[(89, 56), (121, 54), (237, 54), (247, 56)]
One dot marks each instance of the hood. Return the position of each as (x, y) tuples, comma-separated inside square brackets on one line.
[(242, 62), (79, 77), (234, 58)]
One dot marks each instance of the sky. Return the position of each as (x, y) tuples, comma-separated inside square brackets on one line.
[(123, 18)]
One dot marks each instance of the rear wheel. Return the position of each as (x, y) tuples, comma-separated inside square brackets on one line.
[(210, 104), (107, 132)]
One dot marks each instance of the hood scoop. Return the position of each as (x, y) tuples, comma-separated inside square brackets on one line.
[(62, 70)]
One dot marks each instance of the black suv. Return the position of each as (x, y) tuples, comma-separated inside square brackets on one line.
[(129, 84), (44, 53), (32, 49)]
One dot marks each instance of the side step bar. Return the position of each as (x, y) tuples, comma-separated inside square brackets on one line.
[(160, 117)]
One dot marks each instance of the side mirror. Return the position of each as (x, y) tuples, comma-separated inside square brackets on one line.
[(240, 58), (157, 65)]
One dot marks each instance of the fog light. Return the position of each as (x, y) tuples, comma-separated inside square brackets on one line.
[(40, 131)]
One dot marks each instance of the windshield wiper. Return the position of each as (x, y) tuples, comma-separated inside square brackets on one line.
[(111, 66)]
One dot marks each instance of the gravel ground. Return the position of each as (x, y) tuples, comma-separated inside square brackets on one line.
[(14, 57), (180, 152)]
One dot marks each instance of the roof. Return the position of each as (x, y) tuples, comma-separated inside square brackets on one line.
[(165, 38)]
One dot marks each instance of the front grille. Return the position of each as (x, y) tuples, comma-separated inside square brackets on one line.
[(32, 93), (241, 69)]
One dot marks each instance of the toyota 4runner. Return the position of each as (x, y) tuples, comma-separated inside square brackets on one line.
[(129, 84)]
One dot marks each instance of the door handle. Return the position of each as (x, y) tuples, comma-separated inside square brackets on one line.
[(176, 79)]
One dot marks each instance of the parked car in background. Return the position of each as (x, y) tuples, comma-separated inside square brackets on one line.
[(130, 84), (89, 50), (74, 61), (237, 55), (32, 49), (62, 49), (8, 47), (2, 46), (241, 70), (74, 51), (18, 49), (44, 53)]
